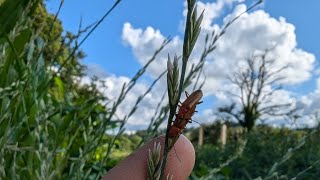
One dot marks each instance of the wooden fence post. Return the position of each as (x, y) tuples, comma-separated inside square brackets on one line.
[(200, 140), (223, 134)]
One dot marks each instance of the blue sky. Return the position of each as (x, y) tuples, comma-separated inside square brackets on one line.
[(106, 45), (109, 51)]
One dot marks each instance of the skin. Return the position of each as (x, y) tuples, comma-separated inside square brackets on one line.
[(134, 167)]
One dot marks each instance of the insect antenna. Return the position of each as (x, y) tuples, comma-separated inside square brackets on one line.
[(199, 124)]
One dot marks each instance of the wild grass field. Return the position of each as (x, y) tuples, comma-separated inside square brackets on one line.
[(54, 127)]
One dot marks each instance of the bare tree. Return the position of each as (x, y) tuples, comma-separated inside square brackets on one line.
[(257, 84)]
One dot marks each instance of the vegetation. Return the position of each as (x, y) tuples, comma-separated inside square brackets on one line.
[(52, 127), (290, 151)]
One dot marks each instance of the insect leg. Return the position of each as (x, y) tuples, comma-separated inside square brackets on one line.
[(187, 94)]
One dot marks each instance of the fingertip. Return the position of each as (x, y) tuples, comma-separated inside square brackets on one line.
[(180, 161)]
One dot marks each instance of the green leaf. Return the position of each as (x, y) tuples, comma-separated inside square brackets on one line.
[(60, 86), (21, 40), (226, 171)]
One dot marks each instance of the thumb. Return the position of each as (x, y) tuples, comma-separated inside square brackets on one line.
[(180, 161)]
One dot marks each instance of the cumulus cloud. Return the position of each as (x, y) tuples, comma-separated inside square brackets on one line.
[(95, 70), (258, 31), (211, 11), (146, 109), (144, 43), (310, 103), (254, 31)]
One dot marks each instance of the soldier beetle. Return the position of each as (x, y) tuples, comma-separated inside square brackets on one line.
[(185, 113)]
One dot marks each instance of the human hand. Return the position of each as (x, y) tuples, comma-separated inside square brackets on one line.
[(180, 161)]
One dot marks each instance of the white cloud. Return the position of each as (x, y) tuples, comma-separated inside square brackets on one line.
[(212, 11), (258, 31), (145, 42), (310, 102), (146, 109), (254, 31), (309, 107), (95, 70)]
